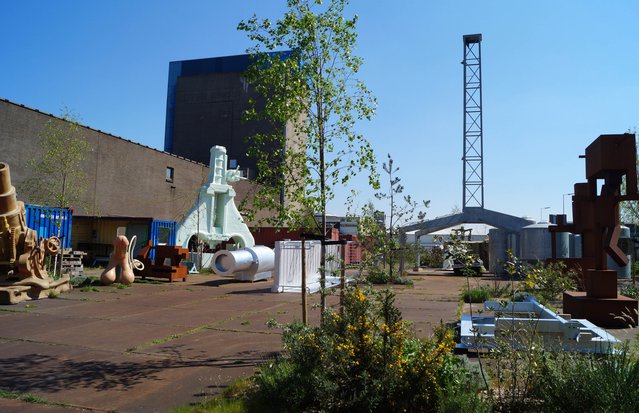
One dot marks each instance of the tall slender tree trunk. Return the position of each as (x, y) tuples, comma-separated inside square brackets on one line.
[(323, 229)]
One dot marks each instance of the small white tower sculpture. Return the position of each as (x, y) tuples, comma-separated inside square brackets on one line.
[(215, 216)]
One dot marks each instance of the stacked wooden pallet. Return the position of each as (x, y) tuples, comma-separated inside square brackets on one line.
[(72, 263)]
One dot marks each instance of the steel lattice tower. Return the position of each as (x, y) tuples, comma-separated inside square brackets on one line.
[(473, 194)]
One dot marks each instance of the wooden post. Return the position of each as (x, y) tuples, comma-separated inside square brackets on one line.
[(304, 314)]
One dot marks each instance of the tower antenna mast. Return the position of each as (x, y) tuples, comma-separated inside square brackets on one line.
[(473, 188)]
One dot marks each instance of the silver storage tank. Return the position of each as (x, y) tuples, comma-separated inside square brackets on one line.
[(535, 242), (577, 245), (497, 247), (563, 244)]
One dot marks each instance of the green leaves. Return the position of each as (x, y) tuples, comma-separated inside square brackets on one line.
[(57, 178), (310, 95)]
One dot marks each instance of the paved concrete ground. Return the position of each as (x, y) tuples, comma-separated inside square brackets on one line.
[(152, 347)]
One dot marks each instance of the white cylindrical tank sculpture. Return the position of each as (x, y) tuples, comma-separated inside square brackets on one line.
[(247, 264), (624, 244), (535, 242), (497, 250)]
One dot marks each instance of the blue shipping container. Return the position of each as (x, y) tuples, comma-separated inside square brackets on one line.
[(162, 233), (47, 222)]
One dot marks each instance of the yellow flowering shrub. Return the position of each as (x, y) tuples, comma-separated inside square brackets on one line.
[(366, 359)]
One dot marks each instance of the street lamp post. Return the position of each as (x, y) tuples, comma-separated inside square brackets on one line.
[(541, 213), (563, 202)]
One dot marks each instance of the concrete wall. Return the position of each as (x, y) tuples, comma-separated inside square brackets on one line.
[(123, 178)]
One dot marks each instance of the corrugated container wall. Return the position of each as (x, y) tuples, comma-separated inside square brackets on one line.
[(47, 222)]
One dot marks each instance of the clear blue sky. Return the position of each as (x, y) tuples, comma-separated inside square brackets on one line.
[(556, 74)]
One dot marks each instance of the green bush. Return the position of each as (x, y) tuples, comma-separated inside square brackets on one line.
[(545, 281), (363, 360), (402, 281), (629, 290), (589, 383), (432, 258), (380, 276), (476, 295), (377, 276)]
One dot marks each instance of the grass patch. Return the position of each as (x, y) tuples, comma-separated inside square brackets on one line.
[(476, 295), (121, 286), (29, 398), (630, 290), (84, 281), (167, 338), (141, 281), (231, 400), (89, 289), (53, 294), (13, 310)]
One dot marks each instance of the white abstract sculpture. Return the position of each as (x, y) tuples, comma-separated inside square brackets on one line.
[(248, 264), (215, 217)]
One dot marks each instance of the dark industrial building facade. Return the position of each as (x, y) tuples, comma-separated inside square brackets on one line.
[(206, 99)]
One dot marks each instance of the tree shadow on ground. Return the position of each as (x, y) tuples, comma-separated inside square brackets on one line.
[(50, 374)]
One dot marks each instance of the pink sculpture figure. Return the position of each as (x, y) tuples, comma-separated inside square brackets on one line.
[(119, 258)]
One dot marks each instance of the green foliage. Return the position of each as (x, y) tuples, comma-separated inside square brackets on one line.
[(402, 281), (545, 281), (377, 276), (231, 400), (88, 289), (588, 383), (363, 360), (476, 295), (462, 396), (57, 178), (399, 213), (486, 292), (29, 398), (380, 276), (83, 281), (313, 93), (465, 261), (432, 258), (629, 290)]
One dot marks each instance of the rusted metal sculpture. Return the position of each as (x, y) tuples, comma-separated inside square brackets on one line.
[(168, 262), (23, 274), (596, 218)]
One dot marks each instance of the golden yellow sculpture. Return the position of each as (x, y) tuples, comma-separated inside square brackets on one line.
[(23, 274)]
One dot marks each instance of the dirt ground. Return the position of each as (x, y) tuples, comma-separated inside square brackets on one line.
[(153, 347)]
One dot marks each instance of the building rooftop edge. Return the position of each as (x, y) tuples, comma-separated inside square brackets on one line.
[(101, 131)]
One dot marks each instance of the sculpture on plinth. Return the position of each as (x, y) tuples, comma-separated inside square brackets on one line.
[(596, 218), (23, 274)]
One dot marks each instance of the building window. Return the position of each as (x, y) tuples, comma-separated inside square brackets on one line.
[(170, 174)]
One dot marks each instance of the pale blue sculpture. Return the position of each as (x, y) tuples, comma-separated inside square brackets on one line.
[(215, 217)]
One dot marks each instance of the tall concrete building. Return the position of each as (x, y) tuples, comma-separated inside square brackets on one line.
[(206, 99)]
